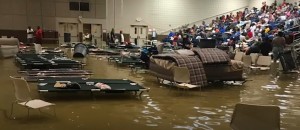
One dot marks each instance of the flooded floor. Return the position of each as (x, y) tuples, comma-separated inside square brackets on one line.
[(162, 108)]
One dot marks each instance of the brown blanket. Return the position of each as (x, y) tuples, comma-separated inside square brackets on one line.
[(212, 55), (194, 64)]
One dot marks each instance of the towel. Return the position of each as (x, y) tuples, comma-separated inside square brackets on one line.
[(103, 86)]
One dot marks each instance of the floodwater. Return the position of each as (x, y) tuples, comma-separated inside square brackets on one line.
[(163, 107)]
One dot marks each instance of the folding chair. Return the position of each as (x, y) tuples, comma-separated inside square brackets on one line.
[(238, 56), (160, 48), (254, 57), (264, 62), (255, 117), (22, 95), (247, 62), (37, 48)]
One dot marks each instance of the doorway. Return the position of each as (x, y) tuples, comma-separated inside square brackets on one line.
[(139, 34), (68, 32), (95, 30), (86, 34)]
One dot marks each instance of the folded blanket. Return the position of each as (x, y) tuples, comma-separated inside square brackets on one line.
[(212, 55), (194, 64)]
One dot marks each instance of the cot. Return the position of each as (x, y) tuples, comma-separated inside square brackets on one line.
[(45, 61), (87, 85)]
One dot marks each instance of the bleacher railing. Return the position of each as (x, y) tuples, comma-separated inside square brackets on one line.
[(199, 22)]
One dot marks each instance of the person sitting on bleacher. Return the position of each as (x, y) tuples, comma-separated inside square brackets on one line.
[(254, 48), (186, 42), (278, 46), (266, 46)]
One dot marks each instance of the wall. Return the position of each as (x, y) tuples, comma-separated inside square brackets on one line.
[(18, 14), (119, 14), (165, 14), (258, 3)]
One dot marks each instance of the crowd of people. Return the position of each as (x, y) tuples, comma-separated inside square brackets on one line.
[(252, 30)]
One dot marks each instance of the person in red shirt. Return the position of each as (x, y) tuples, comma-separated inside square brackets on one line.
[(249, 34), (38, 35)]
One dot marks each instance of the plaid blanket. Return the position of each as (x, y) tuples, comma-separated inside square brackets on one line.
[(194, 64), (212, 55)]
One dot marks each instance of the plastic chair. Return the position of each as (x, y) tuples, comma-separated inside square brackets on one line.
[(22, 95), (255, 117), (238, 56), (247, 62), (160, 48), (254, 57), (38, 48), (182, 75), (264, 62)]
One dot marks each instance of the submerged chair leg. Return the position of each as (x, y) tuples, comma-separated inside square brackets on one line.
[(40, 111), (11, 109), (27, 113), (54, 111)]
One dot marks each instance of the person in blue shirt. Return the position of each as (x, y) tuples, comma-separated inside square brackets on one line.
[(236, 35), (171, 34), (222, 30)]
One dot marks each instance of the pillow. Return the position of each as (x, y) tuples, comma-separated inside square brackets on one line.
[(185, 52)]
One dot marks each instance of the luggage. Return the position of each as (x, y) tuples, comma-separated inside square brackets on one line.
[(287, 61)]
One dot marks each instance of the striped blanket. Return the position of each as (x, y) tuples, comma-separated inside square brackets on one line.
[(212, 55), (194, 64)]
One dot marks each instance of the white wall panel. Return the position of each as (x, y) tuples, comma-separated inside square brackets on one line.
[(17, 7), (18, 14), (49, 23), (6, 22), (34, 21), (33, 7), (5, 6), (167, 14), (48, 8), (19, 21)]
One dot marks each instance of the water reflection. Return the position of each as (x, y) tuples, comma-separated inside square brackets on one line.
[(208, 119), (281, 91), (161, 108), (149, 115)]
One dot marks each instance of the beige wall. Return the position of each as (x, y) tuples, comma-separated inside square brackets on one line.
[(159, 14), (18, 14), (166, 14)]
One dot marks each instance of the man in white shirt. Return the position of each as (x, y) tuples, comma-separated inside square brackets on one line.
[(122, 39), (29, 35), (253, 28), (153, 34)]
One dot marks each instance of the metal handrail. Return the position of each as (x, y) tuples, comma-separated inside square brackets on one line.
[(203, 19)]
